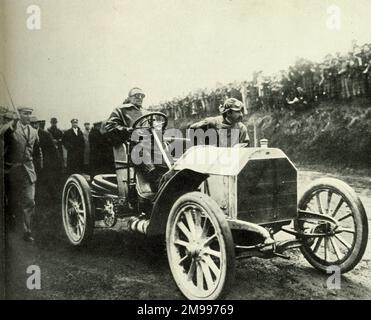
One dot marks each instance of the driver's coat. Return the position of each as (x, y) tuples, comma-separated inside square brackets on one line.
[(120, 120)]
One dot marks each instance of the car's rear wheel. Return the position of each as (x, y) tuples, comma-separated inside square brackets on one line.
[(343, 245), (77, 210), (200, 247)]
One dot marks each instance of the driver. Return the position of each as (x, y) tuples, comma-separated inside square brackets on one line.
[(119, 129)]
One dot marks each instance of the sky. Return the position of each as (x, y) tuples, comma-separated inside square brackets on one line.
[(89, 53), (3, 100)]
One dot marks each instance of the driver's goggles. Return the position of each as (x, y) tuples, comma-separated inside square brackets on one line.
[(139, 95)]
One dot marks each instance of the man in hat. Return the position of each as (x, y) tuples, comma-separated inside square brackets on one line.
[(48, 171), (230, 119), (34, 122), (42, 124), (122, 118), (119, 129), (57, 136), (73, 141), (20, 176), (87, 146), (37, 153)]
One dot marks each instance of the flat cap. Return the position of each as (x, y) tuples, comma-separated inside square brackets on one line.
[(25, 109)]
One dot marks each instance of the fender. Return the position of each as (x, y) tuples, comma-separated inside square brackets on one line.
[(181, 182)]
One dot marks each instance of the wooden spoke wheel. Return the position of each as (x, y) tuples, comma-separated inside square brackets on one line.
[(343, 243), (200, 247), (77, 210)]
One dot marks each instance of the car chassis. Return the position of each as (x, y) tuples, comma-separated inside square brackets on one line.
[(229, 207)]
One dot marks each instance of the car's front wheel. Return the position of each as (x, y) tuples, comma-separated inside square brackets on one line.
[(344, 244), (200, 247)]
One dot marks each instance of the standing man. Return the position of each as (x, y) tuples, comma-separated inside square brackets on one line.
[(20, 176), (73, 141), (50, 165), (87, 146), (57, 137)]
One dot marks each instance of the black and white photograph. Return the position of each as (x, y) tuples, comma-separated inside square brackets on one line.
[(185, 150)]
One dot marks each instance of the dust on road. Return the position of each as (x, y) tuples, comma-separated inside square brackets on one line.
[(122, 265)]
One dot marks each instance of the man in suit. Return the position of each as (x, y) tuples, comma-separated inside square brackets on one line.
[(20, 140), (57, 135), (73, 141), (48, 172), (87, 147)]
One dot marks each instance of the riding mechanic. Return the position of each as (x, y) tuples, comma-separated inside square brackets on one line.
[(230, 119)]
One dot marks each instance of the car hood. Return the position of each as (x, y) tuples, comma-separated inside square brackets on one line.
[(223, 161)]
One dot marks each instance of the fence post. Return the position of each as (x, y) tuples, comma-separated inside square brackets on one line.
[(255, 135)]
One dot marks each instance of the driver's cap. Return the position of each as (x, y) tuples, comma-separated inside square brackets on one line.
[(135, 91)]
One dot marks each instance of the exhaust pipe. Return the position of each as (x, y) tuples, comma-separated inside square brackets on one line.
[(136, 224)]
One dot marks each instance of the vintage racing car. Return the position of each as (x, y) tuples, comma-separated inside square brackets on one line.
[(230, 207)]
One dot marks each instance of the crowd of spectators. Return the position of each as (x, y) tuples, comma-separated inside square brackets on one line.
[(338, 76)]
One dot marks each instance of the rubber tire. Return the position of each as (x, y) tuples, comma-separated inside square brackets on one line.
[(90, 209), (360, 219), (218, 217)]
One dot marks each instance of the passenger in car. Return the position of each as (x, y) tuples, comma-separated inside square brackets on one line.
[(229, 120)]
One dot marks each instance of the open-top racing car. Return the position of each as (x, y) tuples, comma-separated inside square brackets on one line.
[(226, 208)]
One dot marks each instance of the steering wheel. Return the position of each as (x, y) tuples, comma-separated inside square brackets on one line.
[(153, 120)]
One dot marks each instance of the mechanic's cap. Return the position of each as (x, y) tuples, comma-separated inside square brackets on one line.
[(231, 104), (74, 120), (53, 120), (135, 91), (25, 109)]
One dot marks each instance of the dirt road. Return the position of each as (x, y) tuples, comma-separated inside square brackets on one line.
[(119, 265)]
